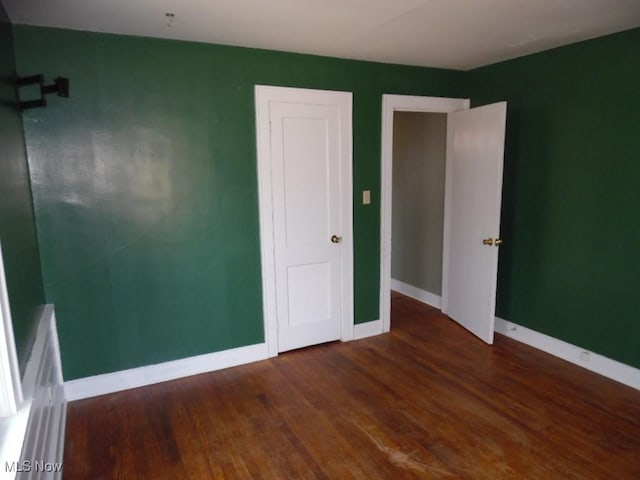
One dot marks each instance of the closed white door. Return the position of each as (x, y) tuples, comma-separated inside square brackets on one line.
[(473, 196), (304, 141)]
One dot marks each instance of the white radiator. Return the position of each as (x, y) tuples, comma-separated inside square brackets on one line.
[(43, 447)]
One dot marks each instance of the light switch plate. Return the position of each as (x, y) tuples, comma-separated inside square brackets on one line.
[(366, 197)]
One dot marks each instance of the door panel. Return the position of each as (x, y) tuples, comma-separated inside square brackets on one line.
[(306, 161), (472, 216), (309, 292), (306, 183)]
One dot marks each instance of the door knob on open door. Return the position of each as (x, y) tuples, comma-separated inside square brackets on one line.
[(336, 238), (499, 242), (487, 241)]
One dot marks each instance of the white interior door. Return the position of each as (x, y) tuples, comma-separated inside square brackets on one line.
[(305, 168), (473, 194)]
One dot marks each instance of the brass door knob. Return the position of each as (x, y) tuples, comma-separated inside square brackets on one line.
[(499, 242), (487, 241), (336, 238)]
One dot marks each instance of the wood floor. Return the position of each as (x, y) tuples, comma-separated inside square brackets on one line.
[(425, 401)]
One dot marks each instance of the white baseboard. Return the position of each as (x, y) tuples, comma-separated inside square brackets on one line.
[(416, 293), (367, 329), (595, 362), (162, 372)]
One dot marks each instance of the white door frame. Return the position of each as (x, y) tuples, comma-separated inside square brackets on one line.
[(263, 94), (391, 104)]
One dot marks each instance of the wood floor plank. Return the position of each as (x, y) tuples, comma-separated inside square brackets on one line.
[(426, 401)]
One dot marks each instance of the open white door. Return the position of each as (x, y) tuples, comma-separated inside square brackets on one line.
[(304, 166), (473, 194)]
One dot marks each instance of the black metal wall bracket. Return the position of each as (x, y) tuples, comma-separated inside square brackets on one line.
[(59, 87)]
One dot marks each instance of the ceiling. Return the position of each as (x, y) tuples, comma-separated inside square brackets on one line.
[(457, 34)]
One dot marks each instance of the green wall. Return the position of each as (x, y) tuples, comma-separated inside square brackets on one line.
[(145, 188), (17, 228), (570, 266)]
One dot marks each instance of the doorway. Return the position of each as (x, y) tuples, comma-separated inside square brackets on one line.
[(419, 163), (472, 202), (392, 104)]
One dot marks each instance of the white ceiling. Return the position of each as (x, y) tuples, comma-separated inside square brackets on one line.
[(458, 34)]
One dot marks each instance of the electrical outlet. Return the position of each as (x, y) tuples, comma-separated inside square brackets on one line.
[(366, 197)]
